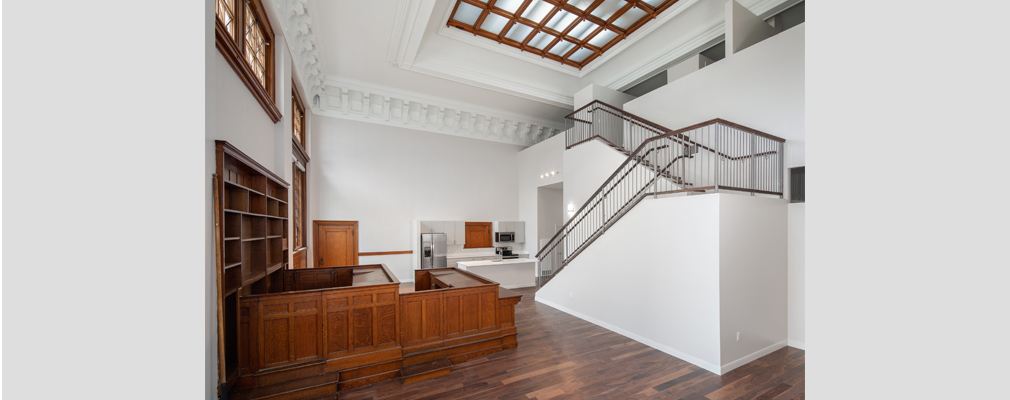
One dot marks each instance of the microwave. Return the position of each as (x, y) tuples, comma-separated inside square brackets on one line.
[(504, 236)]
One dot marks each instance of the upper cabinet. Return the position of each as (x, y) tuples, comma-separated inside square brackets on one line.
[(517, 227), (454, 231)]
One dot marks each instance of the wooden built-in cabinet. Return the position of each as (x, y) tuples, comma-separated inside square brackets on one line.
[(251, 229)]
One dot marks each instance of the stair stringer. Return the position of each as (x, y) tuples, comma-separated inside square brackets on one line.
[(653, 277), (589, 165)]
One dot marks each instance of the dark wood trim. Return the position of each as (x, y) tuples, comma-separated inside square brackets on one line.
[(722, 187), (296, 102), (385, 253), (235, 152), (232, 52), (300, 152), (315, 238)]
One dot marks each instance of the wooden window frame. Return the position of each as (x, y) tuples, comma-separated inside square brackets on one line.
[(300, 156), (298, 105), (233, 50)]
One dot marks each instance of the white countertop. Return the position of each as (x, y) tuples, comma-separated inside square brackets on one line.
[(465, 255), (492, 263)]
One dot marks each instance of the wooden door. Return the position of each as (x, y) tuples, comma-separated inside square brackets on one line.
[(478, 235), (335, 243)]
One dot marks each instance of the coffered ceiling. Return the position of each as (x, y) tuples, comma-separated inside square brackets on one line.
[(408, 63)]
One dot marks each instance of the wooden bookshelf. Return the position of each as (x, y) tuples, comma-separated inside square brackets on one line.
[(251, 229)]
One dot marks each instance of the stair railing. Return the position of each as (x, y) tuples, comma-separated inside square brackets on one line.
[(710, 156), (612, 125)]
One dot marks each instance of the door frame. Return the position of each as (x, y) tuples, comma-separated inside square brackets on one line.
[(315, 238)]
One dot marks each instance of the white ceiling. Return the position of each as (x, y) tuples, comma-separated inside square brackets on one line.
[(402, 49)]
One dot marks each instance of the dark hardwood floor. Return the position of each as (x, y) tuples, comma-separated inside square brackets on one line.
[(563, 357)]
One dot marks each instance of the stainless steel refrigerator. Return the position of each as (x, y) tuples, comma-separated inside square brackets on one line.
[(432, 250)]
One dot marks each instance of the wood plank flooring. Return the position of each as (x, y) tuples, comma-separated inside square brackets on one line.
[(563, 357)]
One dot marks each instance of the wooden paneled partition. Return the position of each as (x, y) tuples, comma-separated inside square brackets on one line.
[(455, 314)]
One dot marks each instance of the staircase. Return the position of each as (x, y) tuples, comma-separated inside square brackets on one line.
[(714, 155)]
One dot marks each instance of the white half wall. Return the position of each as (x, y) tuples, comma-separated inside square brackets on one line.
[(752, 277), (743, 28), (797, 275), (387, 177), (587, 166), (651, 280)]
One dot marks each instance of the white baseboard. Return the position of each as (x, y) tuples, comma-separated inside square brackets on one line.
[(666, 349), (751, 357), (798, 344)]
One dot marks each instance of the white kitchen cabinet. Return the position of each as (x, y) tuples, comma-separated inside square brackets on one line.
[(460, 228), (437, 227), (450, 232), (509, 226), (425, 226), (520, 230)]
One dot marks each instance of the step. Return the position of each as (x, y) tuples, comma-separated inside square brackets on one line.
[(312, 387), (426, 370)]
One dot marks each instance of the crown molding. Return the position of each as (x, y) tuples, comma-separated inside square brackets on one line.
[(353, 99), (409, 23), (296, 22), (679, 51), (457, 72)]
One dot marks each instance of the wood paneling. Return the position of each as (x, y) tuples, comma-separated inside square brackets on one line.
[(478, 235), (300, 261), (289, 329), (335, 243)]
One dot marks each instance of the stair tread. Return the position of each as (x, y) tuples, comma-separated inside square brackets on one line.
[(425, 367)]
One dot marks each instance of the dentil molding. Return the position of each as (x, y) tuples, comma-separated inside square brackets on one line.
[(369, 102), (297, 22)]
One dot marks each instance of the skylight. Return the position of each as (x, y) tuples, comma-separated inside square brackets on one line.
[(572, 32)]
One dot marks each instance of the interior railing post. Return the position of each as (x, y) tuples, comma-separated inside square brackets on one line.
[(753, 165), (782, 170), (718, 130), (655, 165)]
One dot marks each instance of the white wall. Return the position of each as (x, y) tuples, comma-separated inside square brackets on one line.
[(594, 92), (743, 28), (533, 161), (659, 289), (761, 87), (797, 275), (752, 277), (550, 211), (589, 165), (686, 67), (386, 177)]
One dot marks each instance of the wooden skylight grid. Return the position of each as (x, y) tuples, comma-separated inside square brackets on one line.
[(571, 32)]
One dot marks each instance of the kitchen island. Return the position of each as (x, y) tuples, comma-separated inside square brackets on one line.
[(511, 274)]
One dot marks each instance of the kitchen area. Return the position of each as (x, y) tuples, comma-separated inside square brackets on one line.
[(494, 250)]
